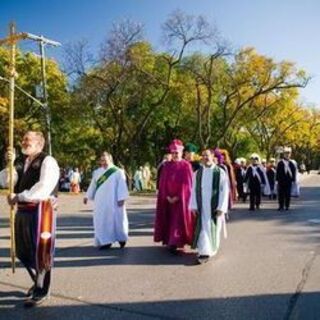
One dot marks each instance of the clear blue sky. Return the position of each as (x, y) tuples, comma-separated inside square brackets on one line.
[(283, 29)]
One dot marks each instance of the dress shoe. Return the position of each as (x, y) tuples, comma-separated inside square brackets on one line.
[(203, 259), (173, 249), (36, 299), (122, 244), (105, 246), (30, 291)]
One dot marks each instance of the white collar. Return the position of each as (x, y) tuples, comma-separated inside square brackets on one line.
[(210, 167)]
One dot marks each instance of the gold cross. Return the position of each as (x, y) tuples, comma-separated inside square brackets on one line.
[(13, 37), (12, 40)]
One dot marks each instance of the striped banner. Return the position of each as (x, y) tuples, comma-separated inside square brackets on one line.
[(45, 236)]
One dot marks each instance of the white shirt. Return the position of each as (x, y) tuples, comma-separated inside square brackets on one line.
[(49, 177)]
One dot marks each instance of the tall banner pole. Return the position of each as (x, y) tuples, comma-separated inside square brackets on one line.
[(11, 144), (12, 41)]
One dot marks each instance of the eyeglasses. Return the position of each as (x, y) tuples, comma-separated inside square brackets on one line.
[(254, 158)]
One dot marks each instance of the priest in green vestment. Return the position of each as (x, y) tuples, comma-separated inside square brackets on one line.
[(209, 202)]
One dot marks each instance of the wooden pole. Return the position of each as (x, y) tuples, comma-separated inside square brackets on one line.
[(11, 144), (12, 40)]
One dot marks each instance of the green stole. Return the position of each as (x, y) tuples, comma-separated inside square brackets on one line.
[(103, 178), (214, 204)]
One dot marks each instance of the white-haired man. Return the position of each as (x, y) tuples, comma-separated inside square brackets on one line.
[(38, 177)]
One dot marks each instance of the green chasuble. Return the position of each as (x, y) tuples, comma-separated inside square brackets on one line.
[(214, 204)]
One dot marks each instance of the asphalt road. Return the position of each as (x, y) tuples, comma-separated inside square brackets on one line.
[(268, 268)]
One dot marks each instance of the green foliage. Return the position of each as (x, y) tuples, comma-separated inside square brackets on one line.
[(133, 105)]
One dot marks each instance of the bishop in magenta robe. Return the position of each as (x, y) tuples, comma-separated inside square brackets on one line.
[(174, 222)]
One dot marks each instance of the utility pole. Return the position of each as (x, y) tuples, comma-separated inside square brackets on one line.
[(24, 92), (42, 43)]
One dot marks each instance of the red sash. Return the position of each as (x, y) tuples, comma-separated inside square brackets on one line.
[(45, 236)]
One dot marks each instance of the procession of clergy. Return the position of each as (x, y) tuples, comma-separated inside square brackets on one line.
[(193, 200)]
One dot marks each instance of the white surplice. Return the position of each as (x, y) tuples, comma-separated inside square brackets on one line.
[(110, 221), (204, 244)]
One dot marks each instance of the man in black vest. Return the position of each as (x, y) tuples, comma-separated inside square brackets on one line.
[(286, 174), (38, 176)]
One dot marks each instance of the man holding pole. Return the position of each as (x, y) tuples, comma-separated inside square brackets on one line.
[(38, 176)]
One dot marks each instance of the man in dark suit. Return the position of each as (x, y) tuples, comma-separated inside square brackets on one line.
[(285, 176), (255, 179)]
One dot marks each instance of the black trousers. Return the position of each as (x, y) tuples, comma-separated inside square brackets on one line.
[(255, 196), (26, 242), (240, 190), (284, 194)]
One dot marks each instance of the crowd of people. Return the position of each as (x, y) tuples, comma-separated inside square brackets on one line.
[(273, 179), (142, 178), (70, 180), (194, 196), (192, 208)]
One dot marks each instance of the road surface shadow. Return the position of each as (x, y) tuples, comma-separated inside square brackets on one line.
[(261, 307)]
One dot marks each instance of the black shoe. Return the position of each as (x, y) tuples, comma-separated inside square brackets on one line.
[(30, 291), (105, 247), (251, 209), (203, 259), (36, 299), (280, 209), (173, 249), (287, 208), (122, 244), (258, 207)]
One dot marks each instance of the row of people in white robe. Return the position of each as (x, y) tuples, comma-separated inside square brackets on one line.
[(110, 217)]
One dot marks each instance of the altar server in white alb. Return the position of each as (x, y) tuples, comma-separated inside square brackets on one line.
[(108, 189), (209, 202)]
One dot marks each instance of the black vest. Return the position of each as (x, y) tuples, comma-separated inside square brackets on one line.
[(26, 180)]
